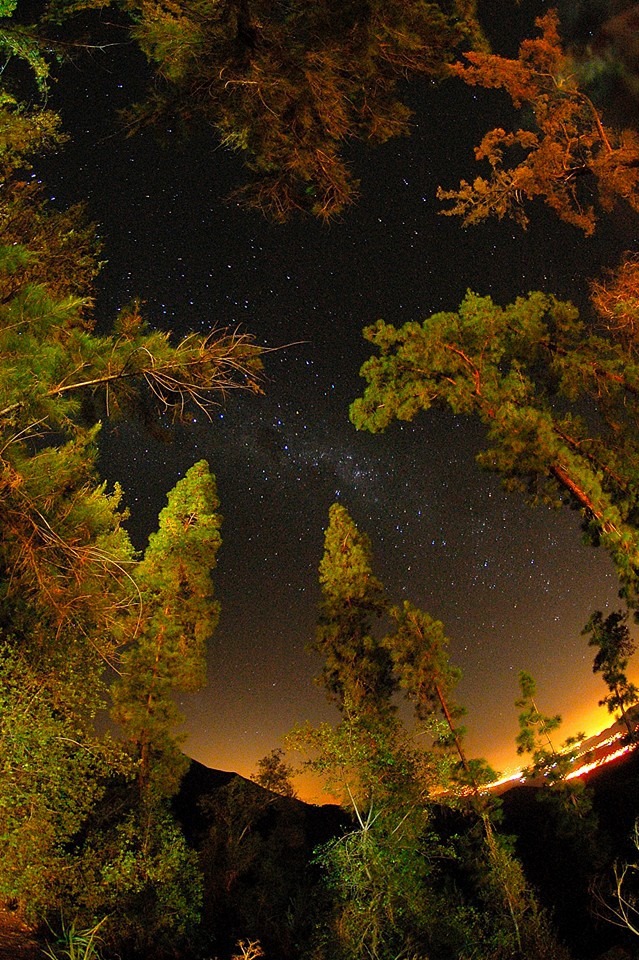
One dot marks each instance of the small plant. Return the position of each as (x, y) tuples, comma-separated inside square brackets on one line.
[(618, 901), (73, 944), (248, 950)]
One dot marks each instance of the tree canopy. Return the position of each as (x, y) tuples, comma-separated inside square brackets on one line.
[(86, 821), (288, 85), (611, 636), (170, 627), (558, 402), (571, 159), (73, 592), (386, 874), (356, 667)]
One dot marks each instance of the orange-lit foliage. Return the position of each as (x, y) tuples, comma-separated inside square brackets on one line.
[(288, 85), (568, 157), (62, 244), (617, 301)]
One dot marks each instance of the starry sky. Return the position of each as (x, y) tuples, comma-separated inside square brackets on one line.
[(514, 586)]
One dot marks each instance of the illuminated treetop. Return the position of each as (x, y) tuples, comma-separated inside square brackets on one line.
[(563, 153), (530, 372)]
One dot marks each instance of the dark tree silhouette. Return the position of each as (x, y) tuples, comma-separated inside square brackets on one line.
[(616, 647)]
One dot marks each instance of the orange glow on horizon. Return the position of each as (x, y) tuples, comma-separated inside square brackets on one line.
[(591, 721)]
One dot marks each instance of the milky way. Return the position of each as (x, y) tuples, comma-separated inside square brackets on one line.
[(513, 586)]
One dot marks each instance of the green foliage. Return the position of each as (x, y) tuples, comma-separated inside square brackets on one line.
[(568, 801), (151, 882), (63, 539), (23, 43), (515, 925), (175, 618), (74, 944), (357, 668), (53, 769), (400, 883), (378, 876), (419, 651), (73, 592), (59, 364), (382, 878), (62, 246), (25, 132), (524, 371), (534, 727), (140, 873), (367, 760)]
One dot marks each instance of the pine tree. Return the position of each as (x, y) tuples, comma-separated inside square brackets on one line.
[(524, 371), (63, 546), (616, 301), (287, 85), (142, 865), (419, 648), (570, 823), (356, 666), (534, 727), (68, 583), (551, 762), (566, 144), (386, 875), (176, 617), (72, 590), (568, 798), (419, 651), (616, 647), (367, 761)]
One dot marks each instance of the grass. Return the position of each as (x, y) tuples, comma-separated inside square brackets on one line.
[(74, 944)]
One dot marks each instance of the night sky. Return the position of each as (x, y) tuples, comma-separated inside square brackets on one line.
[(514, 586)]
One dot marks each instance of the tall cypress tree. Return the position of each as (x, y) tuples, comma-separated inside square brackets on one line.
[(177, 616), (357, 668)]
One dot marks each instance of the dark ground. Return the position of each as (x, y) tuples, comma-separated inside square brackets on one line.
[(16, 941), (289, 830)]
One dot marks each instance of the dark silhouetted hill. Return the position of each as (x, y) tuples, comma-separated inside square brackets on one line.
[(256, 853), (565, 856)]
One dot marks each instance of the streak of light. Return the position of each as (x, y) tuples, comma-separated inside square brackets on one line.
[(602, 761), (580, 768)]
